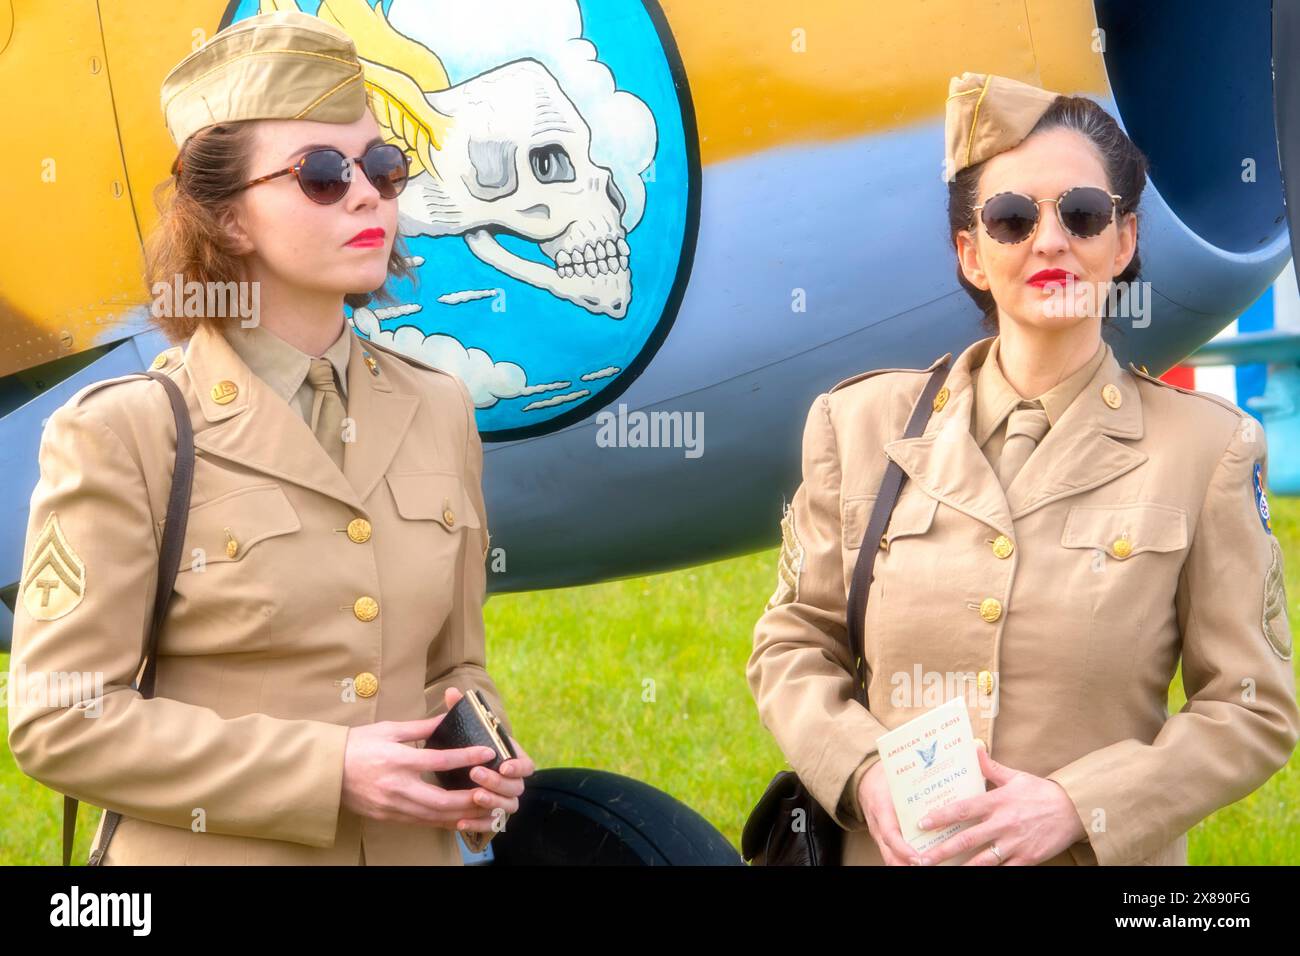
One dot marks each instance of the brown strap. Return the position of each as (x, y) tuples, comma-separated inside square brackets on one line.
[(169, 559), (890, 486), (178, 512)]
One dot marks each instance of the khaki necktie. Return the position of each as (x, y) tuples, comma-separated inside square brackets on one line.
[(326, 409), (1026, 427)]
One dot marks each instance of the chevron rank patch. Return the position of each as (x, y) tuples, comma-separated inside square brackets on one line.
[(789, 565), (55, 581), (1277, 628)]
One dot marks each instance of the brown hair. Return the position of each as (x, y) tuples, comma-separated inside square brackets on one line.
[(1126, 171), (189, 238)]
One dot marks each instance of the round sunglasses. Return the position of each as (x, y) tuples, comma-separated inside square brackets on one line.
[(1083, 211), (324, 175)]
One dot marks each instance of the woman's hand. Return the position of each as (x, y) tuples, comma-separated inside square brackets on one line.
[(1031, 819), (882, 822), (382, 776), (501, 788)]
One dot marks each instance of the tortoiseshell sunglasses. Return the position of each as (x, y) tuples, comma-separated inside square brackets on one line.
[(324, 175), (1083, 211)]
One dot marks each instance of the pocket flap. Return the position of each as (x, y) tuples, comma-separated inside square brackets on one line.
[(435, 495), (913, 514), (229, 526), (1125, 530)]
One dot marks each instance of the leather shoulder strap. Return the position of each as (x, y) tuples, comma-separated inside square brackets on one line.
[(890, 486), (178, 511)]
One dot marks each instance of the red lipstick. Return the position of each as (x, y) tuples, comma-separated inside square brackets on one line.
[(367, 239), (1050, 276)]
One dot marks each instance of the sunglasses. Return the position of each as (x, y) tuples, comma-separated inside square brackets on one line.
[(1084, 212), (324, 175)]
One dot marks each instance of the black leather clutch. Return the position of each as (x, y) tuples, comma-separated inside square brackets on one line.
[(469, 723)]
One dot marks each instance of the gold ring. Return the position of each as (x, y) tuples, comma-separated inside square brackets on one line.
[(996, 851)]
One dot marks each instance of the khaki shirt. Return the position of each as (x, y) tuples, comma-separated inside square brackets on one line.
[(284, 367), (1058, 607), (996, 398)]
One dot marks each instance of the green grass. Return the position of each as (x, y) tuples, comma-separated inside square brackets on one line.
[(646, 677)]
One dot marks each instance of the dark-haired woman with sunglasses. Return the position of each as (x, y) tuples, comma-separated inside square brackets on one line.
[(1067, 530), (328, 605)]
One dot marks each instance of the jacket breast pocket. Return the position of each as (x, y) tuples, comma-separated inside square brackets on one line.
[(913, 514), (436, 515), (436, 496), (1124, 531), (1119, 574), (907, 578), (230, 528), (239, 580)]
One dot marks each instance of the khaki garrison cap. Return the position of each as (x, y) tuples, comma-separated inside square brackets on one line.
[(987, 115), (282, 65)]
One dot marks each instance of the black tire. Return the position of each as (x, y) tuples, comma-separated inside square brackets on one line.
[(573, 816)]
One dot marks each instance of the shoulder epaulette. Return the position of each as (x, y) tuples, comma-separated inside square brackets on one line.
[(877, 371), (1141, 372), (85, 390), (171, 357)]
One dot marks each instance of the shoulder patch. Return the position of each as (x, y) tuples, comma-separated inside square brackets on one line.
[(1261, 500), (878, 371), (1208, 396), (54, 581)]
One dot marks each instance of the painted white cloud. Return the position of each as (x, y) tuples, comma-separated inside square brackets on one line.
[(487, 381)]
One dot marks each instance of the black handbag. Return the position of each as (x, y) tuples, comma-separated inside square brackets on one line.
[(470, 723), (771, 836), (169, 558)]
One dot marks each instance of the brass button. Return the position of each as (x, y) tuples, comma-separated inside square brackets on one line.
[(366, 684), (1123, 548), (941, 399), (359, 530), (160, 360), (1002, 546), (224, 392), (448, 516), (990, 609), (884, 542), (1111, 395), (986, 682), (365, 608)]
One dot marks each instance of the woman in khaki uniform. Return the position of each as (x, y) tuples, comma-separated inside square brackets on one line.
[(329, 602), (1067, 531)]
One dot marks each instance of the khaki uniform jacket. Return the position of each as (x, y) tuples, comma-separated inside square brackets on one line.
[(309, 600), (1059, 607)]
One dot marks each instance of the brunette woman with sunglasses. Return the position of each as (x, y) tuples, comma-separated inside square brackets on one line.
[(328, 606), (1068, 530)]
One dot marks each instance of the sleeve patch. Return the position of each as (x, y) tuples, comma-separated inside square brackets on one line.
[(790, 564), (1277, 629), (55, 581), (1261, 501)]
